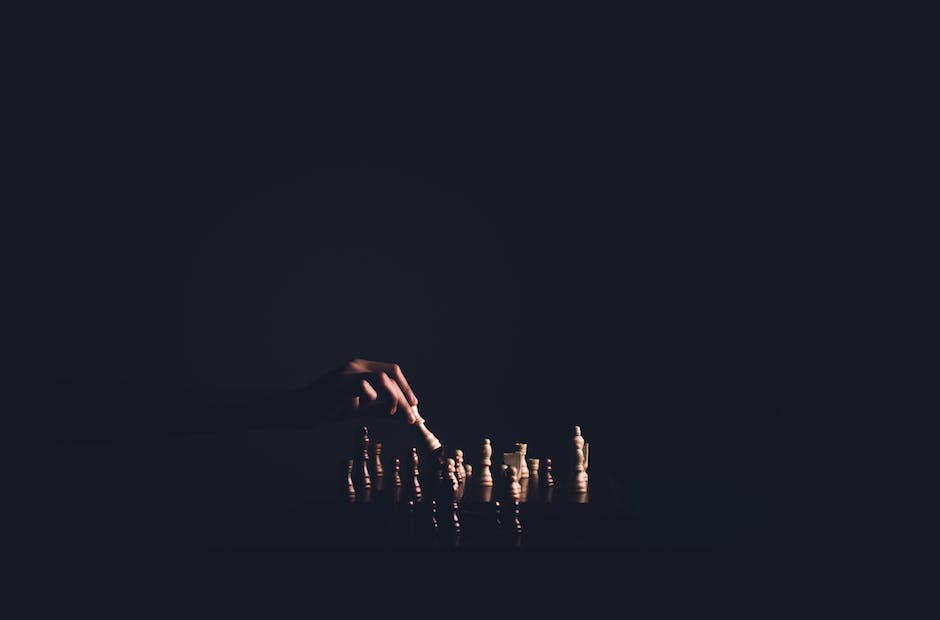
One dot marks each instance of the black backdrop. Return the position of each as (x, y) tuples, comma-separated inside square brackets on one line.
[(491, 200)]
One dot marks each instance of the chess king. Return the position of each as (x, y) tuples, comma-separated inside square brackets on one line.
[(581, 450)]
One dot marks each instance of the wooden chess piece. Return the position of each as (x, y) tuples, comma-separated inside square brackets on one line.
[(486, 476), (415, 486), (514, 489), (350, 487), (432, 442), (547, 479), (396, 473), (458, 465), (450, 494), (523, 470), (533, 465), (377, 460), (450, 476), (363, 479), (579, 475), (468, 471)]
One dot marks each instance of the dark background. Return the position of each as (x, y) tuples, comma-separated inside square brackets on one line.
[(546, 218)]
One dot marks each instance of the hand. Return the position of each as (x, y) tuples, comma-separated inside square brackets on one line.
[(364, 387)]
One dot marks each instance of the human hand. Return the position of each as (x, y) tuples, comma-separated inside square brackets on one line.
[(363, 387)]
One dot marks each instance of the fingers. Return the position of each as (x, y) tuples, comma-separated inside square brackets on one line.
[(388, 383), (393, 393), (367, 390), (395, 371), (392, 370)]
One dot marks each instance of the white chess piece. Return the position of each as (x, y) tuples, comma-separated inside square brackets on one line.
[(451, 475), (486, 476), (515, 489), (579, 475), (432, 441), (459, 469), (521, 448)]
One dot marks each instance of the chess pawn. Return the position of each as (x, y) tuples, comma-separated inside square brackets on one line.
[(350, 487), (377, 459), (396, 474), (547, 479), (521, 448), (415, 486), (513, 487), (450, 477), (486, 476), (362, 471), (458, 465), (468, 471)]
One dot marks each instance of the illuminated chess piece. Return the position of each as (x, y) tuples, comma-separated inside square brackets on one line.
[(350, 487), (377, 468), (580, 449), (486, 476), (547, 479), (363, 480), (415, 485), (523, 468), (513, 486), (459, 470)]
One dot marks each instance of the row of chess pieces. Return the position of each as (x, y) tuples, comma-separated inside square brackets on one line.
[(451, 476)]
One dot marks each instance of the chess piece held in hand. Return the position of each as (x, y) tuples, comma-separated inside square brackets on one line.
[(432, 442)]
